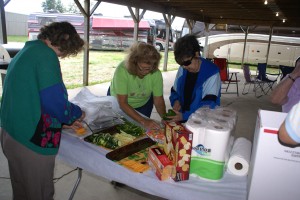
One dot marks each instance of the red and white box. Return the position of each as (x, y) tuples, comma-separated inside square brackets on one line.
[(178, 148), (274, 171), (160, 163)]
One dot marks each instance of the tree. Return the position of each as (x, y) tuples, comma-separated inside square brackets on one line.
[(60, 7), (48, 5), (72, 8), (53, 5)]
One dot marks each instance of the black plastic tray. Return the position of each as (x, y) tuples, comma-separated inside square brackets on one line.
[(127, 150)]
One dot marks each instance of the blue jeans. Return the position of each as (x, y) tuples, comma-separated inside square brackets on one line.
[(145, 109)]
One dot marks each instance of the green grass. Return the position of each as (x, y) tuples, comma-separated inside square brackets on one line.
[(102, 65), (253, 67), (16, 38)]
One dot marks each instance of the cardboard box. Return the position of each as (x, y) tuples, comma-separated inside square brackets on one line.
[(160, 163), (178, 148), (274, 171)]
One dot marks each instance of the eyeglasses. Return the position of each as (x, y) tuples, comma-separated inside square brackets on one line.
[(188, 62), (146, 69)]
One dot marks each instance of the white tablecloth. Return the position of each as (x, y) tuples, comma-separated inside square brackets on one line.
[(91, 158)]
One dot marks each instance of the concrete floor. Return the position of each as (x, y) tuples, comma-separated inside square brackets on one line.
[(92, 187)]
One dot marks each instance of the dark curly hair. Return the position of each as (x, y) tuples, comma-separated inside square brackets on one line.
[(64, 36), (144, 53), (186, 47)]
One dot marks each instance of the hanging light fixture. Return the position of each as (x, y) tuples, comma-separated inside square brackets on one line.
[(266, 2), (283, 21), (277, 14)]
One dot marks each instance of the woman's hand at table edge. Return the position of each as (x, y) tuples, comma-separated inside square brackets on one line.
[(150, 124), (76, 125)]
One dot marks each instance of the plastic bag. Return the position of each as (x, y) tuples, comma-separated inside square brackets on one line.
[(98, 110)]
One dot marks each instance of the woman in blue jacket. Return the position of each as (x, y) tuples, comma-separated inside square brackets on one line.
[(197, 82)]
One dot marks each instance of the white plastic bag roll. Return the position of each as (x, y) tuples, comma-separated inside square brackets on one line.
[(238, 163)]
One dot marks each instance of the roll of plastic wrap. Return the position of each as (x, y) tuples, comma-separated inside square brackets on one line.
[(238, 163)]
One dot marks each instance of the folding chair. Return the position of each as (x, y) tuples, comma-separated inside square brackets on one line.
[(265, 80), (251, 80), (227, 77), (285, 70)]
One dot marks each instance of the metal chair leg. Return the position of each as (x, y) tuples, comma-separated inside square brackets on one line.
[(245, 84)]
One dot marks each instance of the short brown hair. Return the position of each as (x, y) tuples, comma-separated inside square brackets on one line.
[(142, 52), (64, 36)]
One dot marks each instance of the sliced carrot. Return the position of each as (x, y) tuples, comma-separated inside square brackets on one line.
[(80, 131)]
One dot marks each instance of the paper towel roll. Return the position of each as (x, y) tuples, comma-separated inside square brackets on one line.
[(203, 110), (220, 121), (226, 114), (208, 157), (196, 122), (229, 148), (197, 127), (238, 163), (216, 141), (195, 116)]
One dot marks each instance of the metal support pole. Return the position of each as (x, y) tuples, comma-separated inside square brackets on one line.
[(168, 21), (205, 52), (3, 32), (245, 44), (269, 44), (77, 183)]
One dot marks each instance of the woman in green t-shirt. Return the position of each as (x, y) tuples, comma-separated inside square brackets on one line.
[(137, 84)]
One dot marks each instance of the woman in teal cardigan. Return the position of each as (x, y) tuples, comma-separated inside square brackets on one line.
[(35, 107)]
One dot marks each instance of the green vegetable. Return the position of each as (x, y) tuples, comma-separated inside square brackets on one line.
[(131, 128), (110, 141), (105, 139), (168, 114)]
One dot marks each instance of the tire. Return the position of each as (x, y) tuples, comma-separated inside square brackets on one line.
[(159, 47)]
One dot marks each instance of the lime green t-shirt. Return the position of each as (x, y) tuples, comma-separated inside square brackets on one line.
[(138, 90)]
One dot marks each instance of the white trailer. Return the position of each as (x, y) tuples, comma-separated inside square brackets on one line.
[(283, 50)]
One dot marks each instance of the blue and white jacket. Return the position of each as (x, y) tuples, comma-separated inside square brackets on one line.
[(208, 83)]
